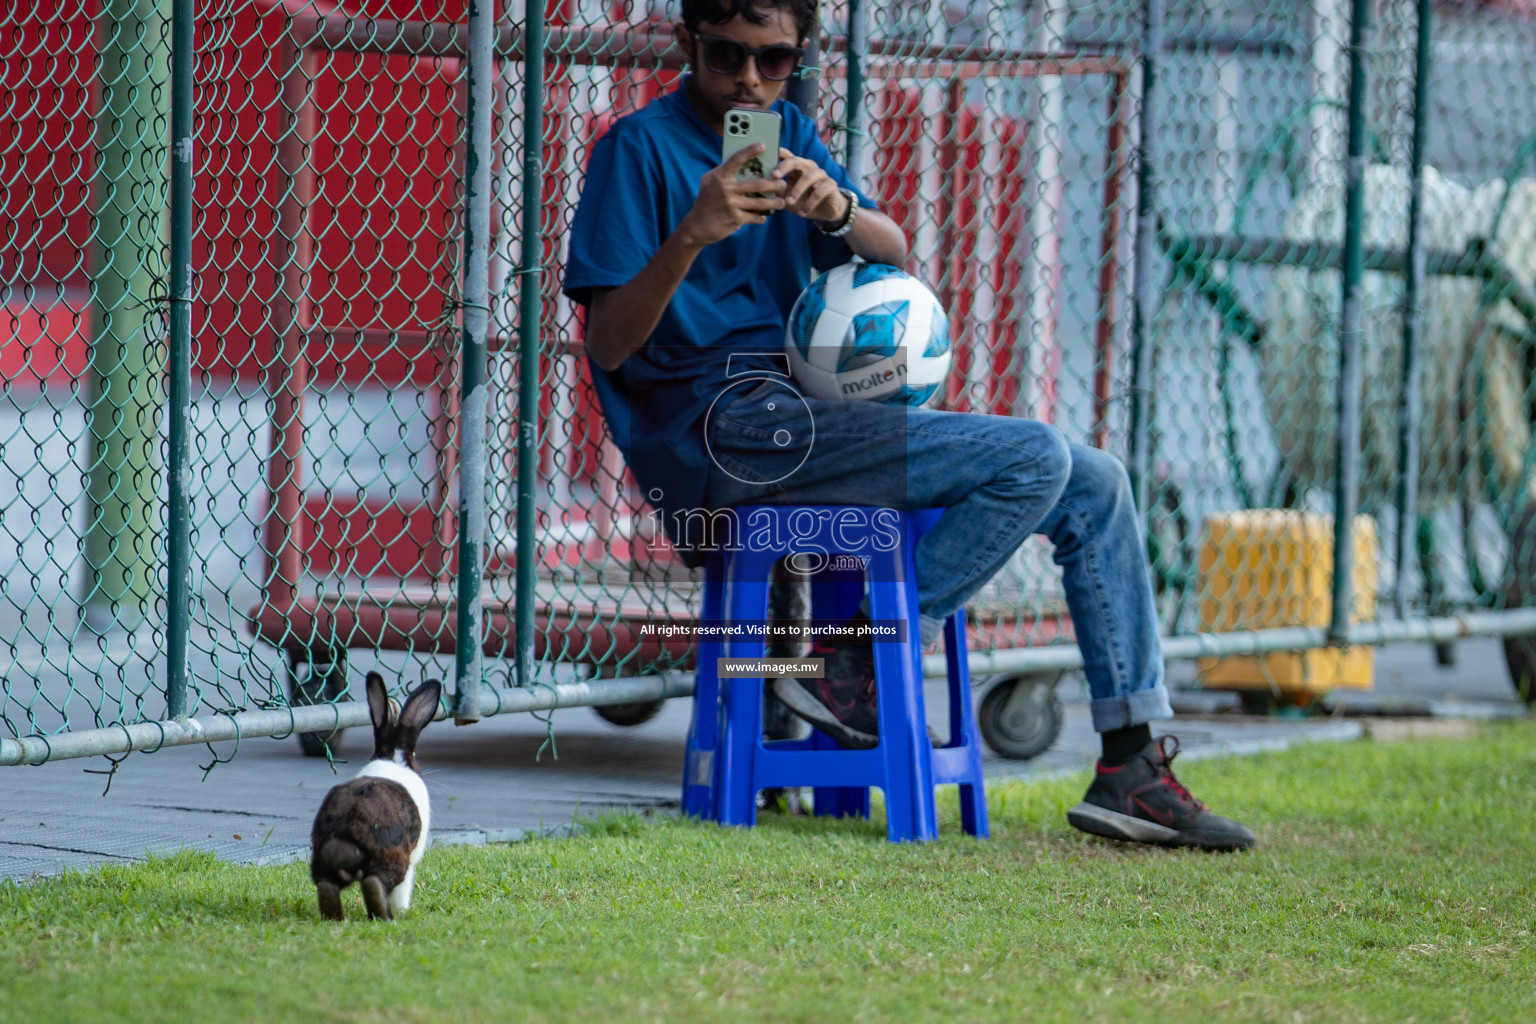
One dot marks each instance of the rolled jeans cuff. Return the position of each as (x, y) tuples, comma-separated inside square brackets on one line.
[(1129, 709)]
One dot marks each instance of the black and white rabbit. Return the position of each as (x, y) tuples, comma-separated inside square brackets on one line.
[(374, 828)]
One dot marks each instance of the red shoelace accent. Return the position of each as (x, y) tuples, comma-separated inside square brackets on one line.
[(830, 699), (1166, 770)]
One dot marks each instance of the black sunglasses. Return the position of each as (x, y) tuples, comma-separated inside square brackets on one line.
[(726, 56)]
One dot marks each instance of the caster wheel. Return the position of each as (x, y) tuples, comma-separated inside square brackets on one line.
[(323, 681), (636, 713), (1021, 716)]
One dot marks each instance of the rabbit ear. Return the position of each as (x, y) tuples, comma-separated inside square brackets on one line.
[(420, 708), (378, 703)]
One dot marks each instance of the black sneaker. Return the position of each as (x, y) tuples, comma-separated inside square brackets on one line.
[(1142, 802), (842, 704)]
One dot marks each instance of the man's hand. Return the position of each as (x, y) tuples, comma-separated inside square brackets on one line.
[(726, 202), (812, 192)]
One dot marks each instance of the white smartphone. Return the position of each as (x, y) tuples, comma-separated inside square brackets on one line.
[(743, 127)]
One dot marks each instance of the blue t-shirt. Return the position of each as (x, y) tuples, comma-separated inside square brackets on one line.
[(642, 180)]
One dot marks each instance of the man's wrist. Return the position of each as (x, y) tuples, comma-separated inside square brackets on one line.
[(684, 236), (839, 209), (844, 224)]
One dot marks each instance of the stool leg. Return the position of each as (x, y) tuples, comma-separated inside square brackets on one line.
[(973, 811), (736, 795), (910, 812), (736, 791), (962, 723), (699, 767)]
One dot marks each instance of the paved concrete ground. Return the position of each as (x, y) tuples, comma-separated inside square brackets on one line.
[(488, 784)]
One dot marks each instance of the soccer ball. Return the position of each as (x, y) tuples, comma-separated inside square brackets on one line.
[(868, 331)]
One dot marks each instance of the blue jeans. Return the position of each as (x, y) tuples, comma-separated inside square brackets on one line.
[(999, 480)]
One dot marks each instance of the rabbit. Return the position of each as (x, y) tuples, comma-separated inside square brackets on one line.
[(374, 828)]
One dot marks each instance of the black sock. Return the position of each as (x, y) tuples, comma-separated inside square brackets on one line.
[(1120, 745)]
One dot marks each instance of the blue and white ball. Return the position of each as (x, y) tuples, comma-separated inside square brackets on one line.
[(868, 331)]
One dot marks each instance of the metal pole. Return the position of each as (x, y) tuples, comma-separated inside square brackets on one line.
[(1146, 295), (1410, 407), (179, 469), (803, 89), (480, 84), (126, 357), (285, 533), (858, 47), (326, 718), (1109, 262), (1068, 657), (530, 315), (1347, 447)]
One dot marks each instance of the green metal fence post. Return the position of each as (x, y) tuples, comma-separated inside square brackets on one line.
[(126, 358), (179, 513), (530, 313), (853, 116), (803, 89), (1346, 464), (1410, 405), (1146, 295), (480, 85)]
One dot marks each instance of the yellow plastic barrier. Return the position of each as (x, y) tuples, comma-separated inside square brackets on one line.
[(1265, 568)]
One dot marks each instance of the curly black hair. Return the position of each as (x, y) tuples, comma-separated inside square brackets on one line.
[(718, 12)]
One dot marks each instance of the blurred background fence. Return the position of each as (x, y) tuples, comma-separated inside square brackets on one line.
[(267, 263)]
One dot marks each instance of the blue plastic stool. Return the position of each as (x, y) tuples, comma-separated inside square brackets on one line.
[(727, 760)]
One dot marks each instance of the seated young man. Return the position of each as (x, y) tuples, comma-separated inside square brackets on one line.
[(689, 275)]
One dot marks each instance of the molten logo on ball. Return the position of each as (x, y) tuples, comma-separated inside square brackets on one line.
[(875, 381)]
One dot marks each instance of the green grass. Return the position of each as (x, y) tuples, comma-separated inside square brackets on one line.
[(1392, 881)]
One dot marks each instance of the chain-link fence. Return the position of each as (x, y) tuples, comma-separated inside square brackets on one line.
[(274, 268), (1343, 291)]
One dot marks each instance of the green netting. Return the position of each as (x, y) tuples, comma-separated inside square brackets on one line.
[(328, 313)]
